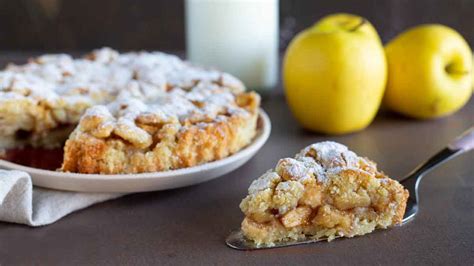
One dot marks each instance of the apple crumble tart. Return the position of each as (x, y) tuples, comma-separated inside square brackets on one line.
[(125, 113), (326, 191)]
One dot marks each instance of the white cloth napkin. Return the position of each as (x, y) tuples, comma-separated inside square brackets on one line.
[(22, 203)]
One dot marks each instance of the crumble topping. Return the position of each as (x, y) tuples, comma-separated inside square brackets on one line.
[(330, 154), (102, 75), (138, 90), (129, 115), (267, 180), (316, 161)]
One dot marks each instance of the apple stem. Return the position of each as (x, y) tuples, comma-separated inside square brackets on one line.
[(362, 22), (459, 72), (450, 69)]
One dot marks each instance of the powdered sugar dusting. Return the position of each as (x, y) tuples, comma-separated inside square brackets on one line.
[(319, 161), (121, 87), (298, 170), (330, 154), (266, 181), (104, 74), (291, 169), (204, 101), (315, 168)]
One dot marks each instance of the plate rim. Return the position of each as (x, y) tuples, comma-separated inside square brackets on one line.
[(258, 141)]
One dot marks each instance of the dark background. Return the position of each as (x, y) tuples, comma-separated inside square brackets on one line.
[(55, 25)]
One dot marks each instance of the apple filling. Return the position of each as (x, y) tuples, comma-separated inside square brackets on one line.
[(325, 191)]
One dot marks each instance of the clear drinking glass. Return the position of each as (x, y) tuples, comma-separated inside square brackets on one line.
[(236, 36)]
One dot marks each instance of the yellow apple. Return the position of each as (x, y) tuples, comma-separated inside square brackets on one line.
[(429, 72), (334, 74)]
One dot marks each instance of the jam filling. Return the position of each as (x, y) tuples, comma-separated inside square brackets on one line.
[(47, 159)]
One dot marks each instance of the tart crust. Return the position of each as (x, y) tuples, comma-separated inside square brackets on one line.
[(325, 191)]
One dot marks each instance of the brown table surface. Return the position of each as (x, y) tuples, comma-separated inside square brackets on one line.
[(189, 225)]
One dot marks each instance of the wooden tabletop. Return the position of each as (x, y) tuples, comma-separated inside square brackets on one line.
[(189, 225)]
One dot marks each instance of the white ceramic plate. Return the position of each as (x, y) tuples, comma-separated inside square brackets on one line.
[(146, 181)]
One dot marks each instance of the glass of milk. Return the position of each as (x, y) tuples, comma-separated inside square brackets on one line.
[(236, 36)]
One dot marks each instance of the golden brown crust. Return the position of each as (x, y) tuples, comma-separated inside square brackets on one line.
[(174, 145)]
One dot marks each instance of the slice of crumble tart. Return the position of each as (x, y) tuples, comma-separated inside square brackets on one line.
[(326, 191)]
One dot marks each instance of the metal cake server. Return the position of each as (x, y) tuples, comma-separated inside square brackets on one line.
[(462, 144)]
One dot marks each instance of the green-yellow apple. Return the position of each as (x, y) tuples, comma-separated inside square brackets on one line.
[(429, 72), (334, 74)]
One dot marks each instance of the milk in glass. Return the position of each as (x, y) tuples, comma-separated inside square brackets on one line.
[(236, 36)]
